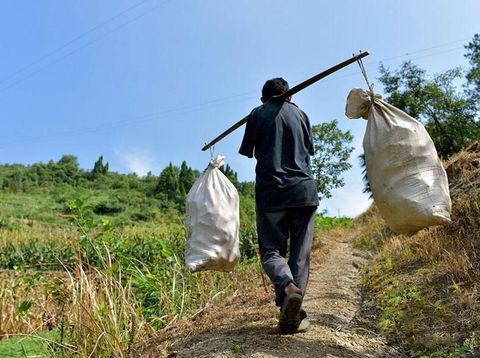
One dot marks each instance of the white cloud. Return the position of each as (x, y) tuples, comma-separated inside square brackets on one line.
[(136, 160)]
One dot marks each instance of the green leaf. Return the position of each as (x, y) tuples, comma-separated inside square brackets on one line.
[(24, 307)]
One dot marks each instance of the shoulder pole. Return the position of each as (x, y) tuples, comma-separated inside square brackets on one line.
[(291, 92)]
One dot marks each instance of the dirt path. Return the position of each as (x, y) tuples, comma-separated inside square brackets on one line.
[(246, 326)]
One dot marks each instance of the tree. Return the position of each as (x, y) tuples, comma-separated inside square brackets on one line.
[(230, 174), (99, 169), (18, 179), (186, 178), (449, 115), (332, 150), (67, 169), (168, 186), (473, 75), (367, 189), (69, 161)]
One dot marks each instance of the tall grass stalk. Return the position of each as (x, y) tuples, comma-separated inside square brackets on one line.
[(105, 318)]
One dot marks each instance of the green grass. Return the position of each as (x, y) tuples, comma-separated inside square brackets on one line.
[(27, 346), (325, 223), (33, 206)]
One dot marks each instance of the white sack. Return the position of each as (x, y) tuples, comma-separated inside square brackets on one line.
[(408, 181), (213, 222)]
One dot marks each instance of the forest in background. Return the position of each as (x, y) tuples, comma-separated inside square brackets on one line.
[(123, 198)]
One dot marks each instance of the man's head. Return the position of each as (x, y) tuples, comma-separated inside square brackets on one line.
[(274, 87)]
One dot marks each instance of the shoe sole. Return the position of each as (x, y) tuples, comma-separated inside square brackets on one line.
[(290, 314)]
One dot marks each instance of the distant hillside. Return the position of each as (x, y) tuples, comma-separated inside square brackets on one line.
[(42, 191)]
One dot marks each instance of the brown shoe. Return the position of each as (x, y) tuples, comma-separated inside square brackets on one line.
[(289, 320)]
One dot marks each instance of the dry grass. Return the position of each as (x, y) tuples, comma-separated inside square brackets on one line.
[(426, 285), (250, 305), (97, 312), (244, 311), (20, 231), (104, 318), (28, 301), (320, 248)]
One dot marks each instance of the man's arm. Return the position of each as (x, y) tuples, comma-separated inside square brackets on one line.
[(248, 142), (310, 146)]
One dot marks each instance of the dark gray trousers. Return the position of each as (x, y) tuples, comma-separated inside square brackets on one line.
[(274, 229)]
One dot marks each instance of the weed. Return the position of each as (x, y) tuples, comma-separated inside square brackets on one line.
[(426, 286)]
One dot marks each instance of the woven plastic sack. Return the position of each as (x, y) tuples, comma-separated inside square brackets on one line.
[(213, 222), (407, 178)]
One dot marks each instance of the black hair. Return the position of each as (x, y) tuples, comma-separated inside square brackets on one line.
[(274, 87)]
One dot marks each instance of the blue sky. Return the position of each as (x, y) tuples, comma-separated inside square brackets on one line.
[(148, 82)]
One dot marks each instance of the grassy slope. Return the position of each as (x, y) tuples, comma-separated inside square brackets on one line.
[(23, 285), (426, 286)]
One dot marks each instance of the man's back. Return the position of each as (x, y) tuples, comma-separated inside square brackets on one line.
[(278, 134)]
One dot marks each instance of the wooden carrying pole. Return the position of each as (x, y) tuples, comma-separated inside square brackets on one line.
[(291, 92)]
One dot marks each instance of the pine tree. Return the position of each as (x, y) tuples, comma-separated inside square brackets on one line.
[(230, 174), (99, 168), (186, 178), (168, 185)]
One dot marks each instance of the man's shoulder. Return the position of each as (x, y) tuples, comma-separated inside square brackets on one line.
[(292, 111), (266, 109), (274, 108), (293, 107)]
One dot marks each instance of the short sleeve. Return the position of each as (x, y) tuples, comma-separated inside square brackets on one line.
[(248, 142)]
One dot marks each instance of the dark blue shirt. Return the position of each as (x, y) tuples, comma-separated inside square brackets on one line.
[(278, 133)]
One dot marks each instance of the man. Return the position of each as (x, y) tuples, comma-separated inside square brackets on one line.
[(278, 133)]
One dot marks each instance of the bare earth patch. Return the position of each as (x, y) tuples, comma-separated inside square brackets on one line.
[(245, 325)]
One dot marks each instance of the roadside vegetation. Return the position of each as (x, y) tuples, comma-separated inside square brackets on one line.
[(425, 286), (91, 262)]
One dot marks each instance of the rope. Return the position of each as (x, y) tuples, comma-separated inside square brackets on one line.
[(212, 151), (365, 76)]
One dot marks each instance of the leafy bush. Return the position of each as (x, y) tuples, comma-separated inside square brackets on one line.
[(107, 208), (324, 223)]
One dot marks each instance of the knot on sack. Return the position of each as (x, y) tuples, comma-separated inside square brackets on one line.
[(217, 162), (359, 103)]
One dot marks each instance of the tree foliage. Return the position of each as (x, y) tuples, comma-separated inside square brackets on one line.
[(450, 115), (367, 189), (186, 178), (68, 170), (332, 149), (230, 174), (168, 185), (99, 168), (473, 74)]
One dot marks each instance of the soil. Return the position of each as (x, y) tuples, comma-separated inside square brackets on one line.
[(246, 325)]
